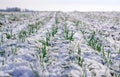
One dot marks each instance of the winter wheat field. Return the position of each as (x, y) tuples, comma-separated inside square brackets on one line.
[(59, 44)]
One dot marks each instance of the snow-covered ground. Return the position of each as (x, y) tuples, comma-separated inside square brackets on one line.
[(60, 44)]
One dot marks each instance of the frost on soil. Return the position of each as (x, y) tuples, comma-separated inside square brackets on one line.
[(60, 44)]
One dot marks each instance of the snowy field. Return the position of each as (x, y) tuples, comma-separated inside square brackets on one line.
[(59, 44)]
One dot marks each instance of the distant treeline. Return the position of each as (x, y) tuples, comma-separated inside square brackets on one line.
[(15, 9)]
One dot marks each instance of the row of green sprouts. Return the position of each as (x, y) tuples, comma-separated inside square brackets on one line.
[(68, 35), (94, 43), (30, 30), (43, 50), (97, 45)]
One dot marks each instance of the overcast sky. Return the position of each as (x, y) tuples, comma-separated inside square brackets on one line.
[(64, 5)]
